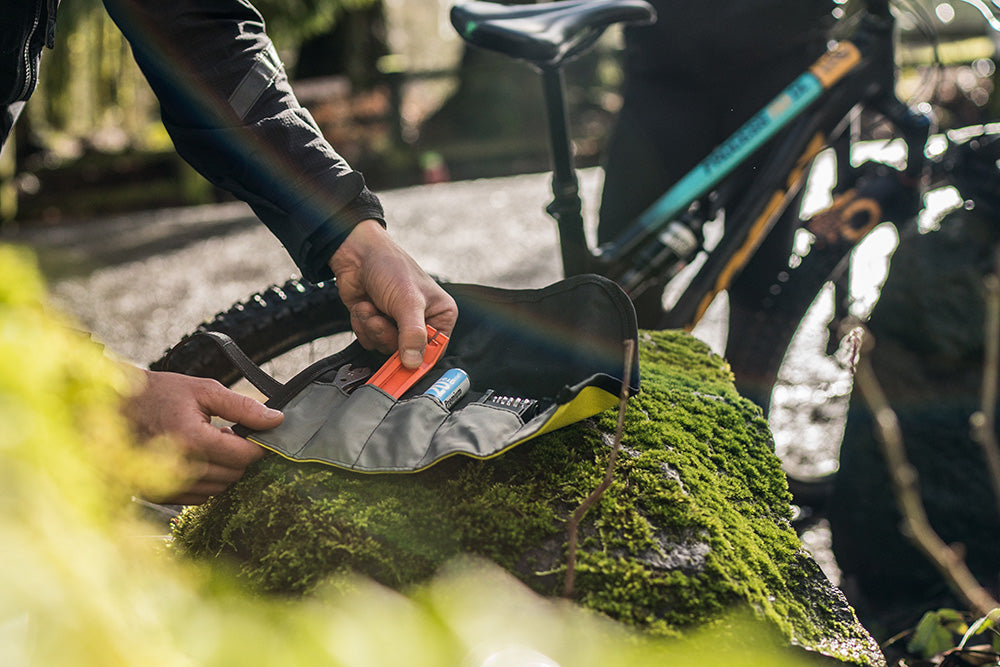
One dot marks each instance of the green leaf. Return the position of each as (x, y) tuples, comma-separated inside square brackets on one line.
[(936, 632)]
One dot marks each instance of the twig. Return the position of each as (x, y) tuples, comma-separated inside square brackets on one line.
[(595, 495), (904, 485), (983, 423)]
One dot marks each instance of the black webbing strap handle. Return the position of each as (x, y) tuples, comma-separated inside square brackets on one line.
[(254, 374)]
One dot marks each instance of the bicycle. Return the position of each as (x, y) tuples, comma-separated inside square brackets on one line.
[(819, 110)]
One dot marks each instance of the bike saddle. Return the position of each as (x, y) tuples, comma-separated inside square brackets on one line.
[(545, 35)]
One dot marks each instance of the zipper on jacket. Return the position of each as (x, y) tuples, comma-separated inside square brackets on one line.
[(29, 71)]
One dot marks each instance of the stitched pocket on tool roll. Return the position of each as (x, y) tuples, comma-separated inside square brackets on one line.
[(531, 361), (317, 411)]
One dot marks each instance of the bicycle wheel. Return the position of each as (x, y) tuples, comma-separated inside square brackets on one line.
[(772, 296), (761, 329), (283, 328)]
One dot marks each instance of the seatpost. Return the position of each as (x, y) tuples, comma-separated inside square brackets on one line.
[(565, 206)]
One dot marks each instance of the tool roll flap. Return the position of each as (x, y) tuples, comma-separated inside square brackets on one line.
[(528, 362)]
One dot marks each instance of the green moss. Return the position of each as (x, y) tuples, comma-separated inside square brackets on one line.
[(696, 523)]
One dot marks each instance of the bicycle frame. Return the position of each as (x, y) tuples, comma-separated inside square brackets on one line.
[(802, 120)]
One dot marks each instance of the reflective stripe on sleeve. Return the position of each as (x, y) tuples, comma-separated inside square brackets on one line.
[(266, 68)]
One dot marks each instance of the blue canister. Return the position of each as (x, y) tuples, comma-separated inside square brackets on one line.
[(450, 387)]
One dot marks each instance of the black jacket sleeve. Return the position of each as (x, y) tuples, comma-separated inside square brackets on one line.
[(228, 106)]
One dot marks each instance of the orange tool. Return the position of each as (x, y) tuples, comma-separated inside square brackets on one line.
[(394, 378)]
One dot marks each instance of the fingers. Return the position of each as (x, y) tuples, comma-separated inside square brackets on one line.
[(218, 401), (201, 481), (402, 329), (226, 450), (389, 296), (401, 322), (374, 330), (434, 307), (412, 338), (182, 407), (408, 333), (412, 346), (210, 480), (228, 456)]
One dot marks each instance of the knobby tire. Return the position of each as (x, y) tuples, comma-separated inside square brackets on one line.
[(265, 326)]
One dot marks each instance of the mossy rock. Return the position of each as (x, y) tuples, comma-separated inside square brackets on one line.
[(694, 526)]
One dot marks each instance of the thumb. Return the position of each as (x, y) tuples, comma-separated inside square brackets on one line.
[(412, 344), (235, 407)]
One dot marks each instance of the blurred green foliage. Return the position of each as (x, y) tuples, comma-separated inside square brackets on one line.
[(290, 22), (91, 91)]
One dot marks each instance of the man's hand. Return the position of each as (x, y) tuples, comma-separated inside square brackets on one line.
[(389, 296), (182, 407)]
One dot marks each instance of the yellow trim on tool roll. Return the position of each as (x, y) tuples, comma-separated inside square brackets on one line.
[(589, 402)]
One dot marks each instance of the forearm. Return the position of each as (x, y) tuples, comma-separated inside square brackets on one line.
[(231, 112)]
